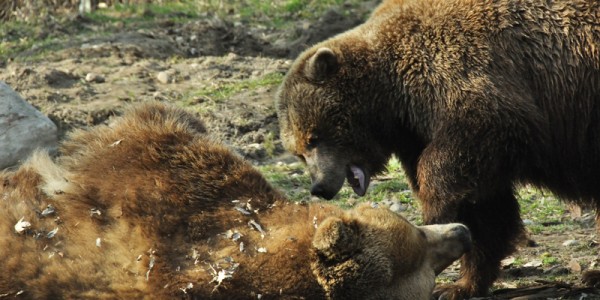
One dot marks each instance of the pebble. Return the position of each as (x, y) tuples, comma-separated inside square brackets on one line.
[(393, 204), (570, 243), (534, 263), (163, 77), (93, 77), (397, 207)]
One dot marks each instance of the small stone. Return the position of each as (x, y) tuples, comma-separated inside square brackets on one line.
[(574, 266), (507, 262), (93, 77), (163, 77), (534, 263), (570, 243), (527, 222), (397, 207)]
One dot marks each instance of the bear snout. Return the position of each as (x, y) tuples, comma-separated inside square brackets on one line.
[(320, 190)]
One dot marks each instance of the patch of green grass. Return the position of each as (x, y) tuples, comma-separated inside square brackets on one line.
[(519, 261), (17, 37), (275, 13), (544, 211), (223, 91), (288, 178), (540, 206), (269, 144), (139, 14), (548, 260)]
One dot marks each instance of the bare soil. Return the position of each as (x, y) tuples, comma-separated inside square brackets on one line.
[(85, 82)]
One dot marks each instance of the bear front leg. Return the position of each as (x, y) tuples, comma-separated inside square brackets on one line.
[(496, 228)]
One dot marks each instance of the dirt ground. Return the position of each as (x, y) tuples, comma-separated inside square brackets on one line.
[(88, 81)]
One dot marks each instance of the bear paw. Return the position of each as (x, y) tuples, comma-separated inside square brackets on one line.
[(455, 291), (591, 278)]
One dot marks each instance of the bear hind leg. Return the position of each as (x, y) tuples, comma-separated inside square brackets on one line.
[(591, 278)]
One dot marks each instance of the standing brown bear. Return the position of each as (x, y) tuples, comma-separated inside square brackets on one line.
[(473, 96), (152, 208)]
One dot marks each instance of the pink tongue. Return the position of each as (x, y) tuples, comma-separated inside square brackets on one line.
[(360, 176)]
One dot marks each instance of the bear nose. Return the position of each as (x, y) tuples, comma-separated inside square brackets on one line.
[(319, 190), (464, 235), (461, 230)]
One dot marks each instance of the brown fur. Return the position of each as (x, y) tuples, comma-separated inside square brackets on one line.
[(146, 208), (473, 96)]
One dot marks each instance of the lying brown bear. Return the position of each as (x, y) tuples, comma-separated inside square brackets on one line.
[(474, 97), (152, 207)]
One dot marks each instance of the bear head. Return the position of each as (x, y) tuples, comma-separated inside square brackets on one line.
[(373, 253), (325, 111)]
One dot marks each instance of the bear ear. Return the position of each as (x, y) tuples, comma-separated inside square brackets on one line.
[(321, 65), (335, 239)]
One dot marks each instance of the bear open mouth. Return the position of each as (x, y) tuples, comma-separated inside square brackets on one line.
[(358, 179)]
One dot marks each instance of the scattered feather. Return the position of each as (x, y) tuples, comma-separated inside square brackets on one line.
[(243, 211), (241, 246), (189, 286), (48, 210), (52, 233), (95, 211), (258, 227), (116, 143), (223, 274), (139, 257), (262, 250), (99, 242), (19, 292), (150, 266), (233, 235), (22, 225), (315, 221)]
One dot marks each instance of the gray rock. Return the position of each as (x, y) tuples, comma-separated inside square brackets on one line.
[(22, 128)]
